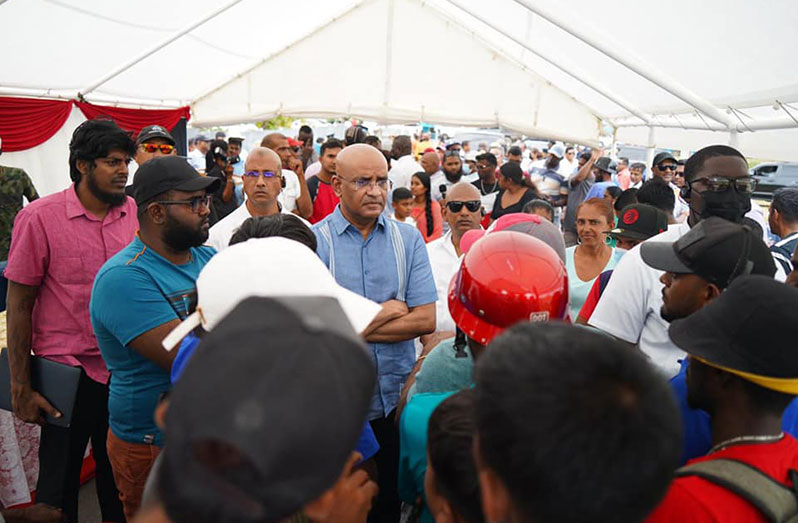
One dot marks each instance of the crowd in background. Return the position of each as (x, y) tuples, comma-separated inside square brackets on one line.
[(302, 330)]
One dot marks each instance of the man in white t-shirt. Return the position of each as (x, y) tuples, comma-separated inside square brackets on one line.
[(629, 309), (404, 165), (664, 166), (568, 165), (197, 157), (263, 181), (295, 196)]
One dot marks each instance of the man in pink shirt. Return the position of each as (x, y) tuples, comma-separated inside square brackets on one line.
[(58, 244), (624, 175)]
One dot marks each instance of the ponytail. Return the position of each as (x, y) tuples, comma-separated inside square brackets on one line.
[(428, 213)]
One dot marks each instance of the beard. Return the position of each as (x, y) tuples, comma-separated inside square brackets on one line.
[(181, 237), (112, 199)]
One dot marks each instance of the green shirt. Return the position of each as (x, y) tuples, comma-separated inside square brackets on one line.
[(14, 184)]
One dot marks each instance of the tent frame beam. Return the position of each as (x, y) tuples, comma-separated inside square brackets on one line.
[(582, 78), (773, 124), (154, 49), (631, 62)]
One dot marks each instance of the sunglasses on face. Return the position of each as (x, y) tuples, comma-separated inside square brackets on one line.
[(719, 184), (266, 174), (196, 203), (668, 167), (472, 205), (165, 148)]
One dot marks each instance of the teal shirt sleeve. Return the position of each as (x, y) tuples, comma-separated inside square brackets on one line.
[(127, 303)]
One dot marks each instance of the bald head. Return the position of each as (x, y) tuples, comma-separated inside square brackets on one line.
[(463, 219), (259, 156), (360, 157), (430, 162), (272, 140), (463, 192)]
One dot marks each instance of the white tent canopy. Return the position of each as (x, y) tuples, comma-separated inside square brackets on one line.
[(681, 74)]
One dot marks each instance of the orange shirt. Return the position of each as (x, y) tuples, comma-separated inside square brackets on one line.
[(420, 216)]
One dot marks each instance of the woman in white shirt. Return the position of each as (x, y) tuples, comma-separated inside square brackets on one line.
[(593, 255)]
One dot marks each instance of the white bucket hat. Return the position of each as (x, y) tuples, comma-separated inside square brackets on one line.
[(266, 267)]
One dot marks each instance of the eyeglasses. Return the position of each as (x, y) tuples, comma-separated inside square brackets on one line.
[(266, 174), (719, 184), (471, 205), (669, 167), (196, 203), (165, 148), (363, 183), (115, 162)]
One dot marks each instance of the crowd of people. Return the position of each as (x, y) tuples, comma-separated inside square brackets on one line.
[(427, 333)]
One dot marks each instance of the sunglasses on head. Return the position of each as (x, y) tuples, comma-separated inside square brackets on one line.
[(472, 205), (450, 153), (668, 167), (165, 148)]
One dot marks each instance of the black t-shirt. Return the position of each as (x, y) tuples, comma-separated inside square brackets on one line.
[(486, 188), (498, 211)]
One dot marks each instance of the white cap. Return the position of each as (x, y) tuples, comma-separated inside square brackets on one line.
[(266, 267), (557, 150)]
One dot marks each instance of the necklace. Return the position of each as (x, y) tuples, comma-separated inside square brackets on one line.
[(746, 439), (482, 186)]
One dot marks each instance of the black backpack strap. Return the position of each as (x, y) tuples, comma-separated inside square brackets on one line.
[(313, 187), (776, 501)]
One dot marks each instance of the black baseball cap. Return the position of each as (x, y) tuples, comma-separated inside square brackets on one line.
[(154, 131), (284, 382), (166, 173), (607, 164), (661, 157), (748, 329), (715, 249), (235, 139), (640, 221)]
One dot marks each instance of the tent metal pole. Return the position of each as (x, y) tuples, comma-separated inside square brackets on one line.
[(734, 138), (182, 32), (631, 62), (651, 145), (589, 82), (773, 124)]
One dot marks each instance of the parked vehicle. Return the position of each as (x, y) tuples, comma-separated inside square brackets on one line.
[(772, 176)]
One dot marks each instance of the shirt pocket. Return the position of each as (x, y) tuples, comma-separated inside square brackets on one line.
[(68, 270)]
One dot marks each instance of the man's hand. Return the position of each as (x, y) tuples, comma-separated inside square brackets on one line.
[(30, 406), (228, 172), (295, 164), (354, 493), (391, 310)]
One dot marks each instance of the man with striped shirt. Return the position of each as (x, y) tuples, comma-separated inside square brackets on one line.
[(783, 220)]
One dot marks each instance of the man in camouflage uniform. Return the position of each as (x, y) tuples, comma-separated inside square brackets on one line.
[(14, 184)]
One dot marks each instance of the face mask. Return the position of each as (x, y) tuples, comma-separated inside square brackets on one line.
[(466, 169), (729, 205)]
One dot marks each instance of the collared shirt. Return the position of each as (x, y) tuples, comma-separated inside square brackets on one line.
[(445, 262), (220, 234), (402, 170), (59, 246), (369, 268), (197, 159), (14, 184), (783, 251)]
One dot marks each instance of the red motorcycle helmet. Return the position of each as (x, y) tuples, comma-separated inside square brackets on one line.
[(505, 278)]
